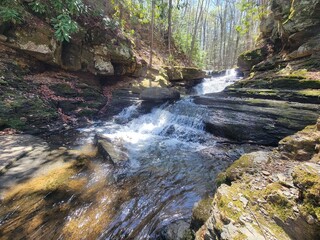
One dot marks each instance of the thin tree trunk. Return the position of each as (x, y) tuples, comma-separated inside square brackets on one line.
[(195, 30), (151, 40), (169, 26)]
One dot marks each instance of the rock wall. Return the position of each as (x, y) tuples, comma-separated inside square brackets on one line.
[(270, 195), (98, 51), (290, 31)]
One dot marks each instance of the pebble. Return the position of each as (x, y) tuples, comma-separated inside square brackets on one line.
[(3, 38), (266, 173), (244, 201), (262, 201), (281, 177), (295, 209), (310, 220)]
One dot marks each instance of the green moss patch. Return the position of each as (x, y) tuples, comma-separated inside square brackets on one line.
[(307, 179)]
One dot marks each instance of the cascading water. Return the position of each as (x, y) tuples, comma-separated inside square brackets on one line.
[(216, 84), (170, 146), (170, 163)]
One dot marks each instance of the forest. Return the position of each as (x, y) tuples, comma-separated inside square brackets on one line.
[(211, 33)]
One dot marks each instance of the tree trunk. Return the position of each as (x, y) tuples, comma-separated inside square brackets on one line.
[(169, 26)]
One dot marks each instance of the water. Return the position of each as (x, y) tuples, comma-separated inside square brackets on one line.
[(211, 85), (171, 163), (170, 146)]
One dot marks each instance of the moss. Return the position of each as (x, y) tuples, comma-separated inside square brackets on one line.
[(307, 179), (238, 168), (310, 93), (20, 112), (228, 211), (278, 205), (251, 54), (221, 179), (299, 73), (62, 89), (201, 212), (240, 236)]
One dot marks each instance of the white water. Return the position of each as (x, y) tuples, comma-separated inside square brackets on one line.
[(216, 84), (170, 144)]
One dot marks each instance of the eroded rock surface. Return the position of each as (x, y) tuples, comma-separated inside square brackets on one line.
[(269, 195)]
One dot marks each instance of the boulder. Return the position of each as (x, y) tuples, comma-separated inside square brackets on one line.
[(36, 40), (178, 73), (248, 59), (156, 94), (109, 152), (307, 49), (178, 230)]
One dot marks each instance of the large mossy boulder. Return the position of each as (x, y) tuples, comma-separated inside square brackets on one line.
[(156, 94), (248, 59), (178, 73)]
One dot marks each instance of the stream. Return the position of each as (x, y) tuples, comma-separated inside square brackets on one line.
[(170, 163), (171, 155)]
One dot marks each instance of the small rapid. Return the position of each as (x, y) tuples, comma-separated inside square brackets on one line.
[(172, 156), (169, 163), (216, 84)]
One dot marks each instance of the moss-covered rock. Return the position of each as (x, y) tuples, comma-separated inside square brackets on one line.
[(178, 73), (248, 59), (307, 178), (201, 213), (267, 196)]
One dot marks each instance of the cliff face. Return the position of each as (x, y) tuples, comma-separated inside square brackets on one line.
[(289, 32)]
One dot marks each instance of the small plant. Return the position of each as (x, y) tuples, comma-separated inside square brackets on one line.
[(8, 14), (64, 26), (38, 7)]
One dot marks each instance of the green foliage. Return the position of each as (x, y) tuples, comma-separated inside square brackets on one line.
[(64, 26), (61, 12), (38, 7), (11, 11), (10, 15)]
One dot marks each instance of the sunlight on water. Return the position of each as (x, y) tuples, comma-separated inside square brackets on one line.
[(216, 84)]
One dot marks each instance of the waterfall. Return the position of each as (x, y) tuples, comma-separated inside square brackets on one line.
[(170, 146), (216, 84)]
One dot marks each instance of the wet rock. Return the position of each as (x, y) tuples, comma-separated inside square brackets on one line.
[(178, 230), (110, 152), (200, 213), (258, 120), (155, 94)]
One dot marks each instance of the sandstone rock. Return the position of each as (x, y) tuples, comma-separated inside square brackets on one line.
[(109, 152), (306, 49), (184, 73), (103, 66), (38, 41), (248, 59), (155, 94), (3, 38)]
